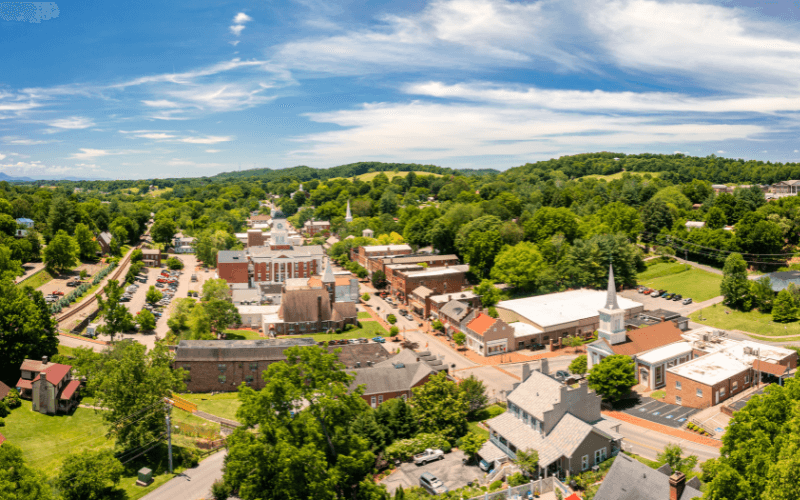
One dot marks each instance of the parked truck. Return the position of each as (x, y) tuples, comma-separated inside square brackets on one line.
[(428, 455)]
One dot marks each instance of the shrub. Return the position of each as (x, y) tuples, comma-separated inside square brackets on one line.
[(495, 485), (220, 491), (2, 422), (12, 400), (349, 327), (517, 479), (393, 331), (404, 449), (4, 411), (391, 319), (365, 297), (437, 325), (174, 263)]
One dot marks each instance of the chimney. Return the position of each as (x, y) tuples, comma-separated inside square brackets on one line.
[(319, 308), (526, 372), (663, 319), (677, 482), (44, 360), (545, 366)]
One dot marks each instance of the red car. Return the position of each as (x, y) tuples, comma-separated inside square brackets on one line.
[(57, 292)]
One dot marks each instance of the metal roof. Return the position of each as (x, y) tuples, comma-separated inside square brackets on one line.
[(564, 307)]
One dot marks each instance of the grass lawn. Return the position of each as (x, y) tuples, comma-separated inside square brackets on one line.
[(474, 427), (368, 330), (618, 175), (391, 175), (754, 322), (364, 315), (222, 405), (659, 269), (695, 283), (242, 335), (487, 413), (65, 350), (46, 439), (37, 279), (658, 394)]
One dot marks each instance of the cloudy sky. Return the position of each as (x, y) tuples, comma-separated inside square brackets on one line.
[(155, 89)]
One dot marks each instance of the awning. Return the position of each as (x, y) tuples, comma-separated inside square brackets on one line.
[(70, 389), (490, 452), (771, 368), (24, 384)]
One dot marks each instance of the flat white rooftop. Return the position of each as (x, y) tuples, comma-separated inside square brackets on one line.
[(665, 353), (468, 294), (564, 307), (439, 271), (711, 368), (524, 329), (258, 309), (386, 248)]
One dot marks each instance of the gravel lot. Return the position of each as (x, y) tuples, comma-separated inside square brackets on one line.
[(451, 471)]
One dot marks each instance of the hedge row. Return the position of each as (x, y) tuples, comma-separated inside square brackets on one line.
[(404, 449)]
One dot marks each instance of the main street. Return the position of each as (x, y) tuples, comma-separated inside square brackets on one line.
[(192, 484), (649, 443)]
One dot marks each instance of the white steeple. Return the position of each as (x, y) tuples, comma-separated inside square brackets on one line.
[(612, 317), (328, 277), (348, 217)]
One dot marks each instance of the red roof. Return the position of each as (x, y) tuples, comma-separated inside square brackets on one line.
[(70, 389), (4, 389), (24, 384), (648, 338), (2, 438), (771, 368), (55, 373), (481, 323), (574, 496)]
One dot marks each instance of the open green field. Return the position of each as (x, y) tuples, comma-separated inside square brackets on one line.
[(242, 335), (159, 192), (391, 175), (618, 175), (679, 278), (37, 279), (222, 405), (754, 322), (364, 315)]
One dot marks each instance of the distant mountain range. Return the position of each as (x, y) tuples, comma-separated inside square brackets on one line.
[(10, 178)]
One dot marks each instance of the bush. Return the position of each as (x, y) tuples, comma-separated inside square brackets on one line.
[(404, 449), (517, 479), (437, 325), (393, 331), (174, 263), (391, 319), (2, 422), (4, 411), (220, 491), (12, 400), (365, 297), (495, 485), (349, 328)]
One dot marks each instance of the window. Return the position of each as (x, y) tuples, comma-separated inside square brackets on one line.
[(380, 399), (248, 379), (512, 448), (222, 368), (221, 379), (721, 392), (584, 462), (746, 379), (678, 400), (678, 384), (599, 455), (253, 366), (699, 393), (735, 386)]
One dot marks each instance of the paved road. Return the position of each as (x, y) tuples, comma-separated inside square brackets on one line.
[(30, 269), (73, 342), (193, 484), (450, 470), (649, 444)]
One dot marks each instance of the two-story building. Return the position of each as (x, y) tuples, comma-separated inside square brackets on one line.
[(313, 227), (49, 386), (394, 378), (562, 423), (362, 254)]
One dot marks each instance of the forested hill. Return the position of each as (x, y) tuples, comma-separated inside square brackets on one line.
[(676, 168), (303, 173)]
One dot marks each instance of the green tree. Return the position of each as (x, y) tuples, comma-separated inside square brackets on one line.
[(528, 462), (365, 297), (394, 331), (216, 289), (440, 407), (62, 252), (616, 218), (572, 341), (578, 365), (174, 263), (27, 329), (459, 338), (87, 246), (735, 286), (89, 475), (117, 318), (763, 296), (137, 255), (146, 320), (163, 230), (318, 454), (715, 218), (490, 295), (784, 309), (519, 265), (655, 216), (366, 426), (222, 314), (673, 455), (133, 381), (378, 279), (153, 295), (18, 481), (549, 221), (9, 268), (613, 377), (391, 319), (474, 393), (471, 444)]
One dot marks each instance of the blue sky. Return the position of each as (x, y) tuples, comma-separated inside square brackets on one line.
[(173, 89)]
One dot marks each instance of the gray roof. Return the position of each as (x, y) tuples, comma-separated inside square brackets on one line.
[(245, 294), (231, 256), (388, 377), (490, 452), (629, 479), (351, 354), (781, 279), (536, 395), (106, 237), (568, 435), (422, 291), (408, 356), (303, 306), (455, 309), (237, 350)]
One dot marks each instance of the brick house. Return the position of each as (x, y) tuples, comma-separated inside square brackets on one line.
[(222, 365), (362, 254), (375, 263), (441, 280), (418, 301), (562, 423), (151, 257), (313, 227), (104, 240), (49, 386), (391, 379)]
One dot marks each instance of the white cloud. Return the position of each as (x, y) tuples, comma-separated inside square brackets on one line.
[(72, 123), (213, 150), (161, 103), (16, 141), (211, 139), (241, 18), (236, 29), (720, 152), (2, 156), (87, 153), (419, 131)]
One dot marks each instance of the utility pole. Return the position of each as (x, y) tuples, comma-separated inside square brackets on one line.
[(168, 409)]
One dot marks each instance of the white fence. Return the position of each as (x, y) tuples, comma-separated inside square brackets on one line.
[(519, 492)]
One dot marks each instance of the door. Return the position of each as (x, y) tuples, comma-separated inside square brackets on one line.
[(716, 397)]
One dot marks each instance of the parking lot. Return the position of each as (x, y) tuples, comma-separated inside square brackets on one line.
[(658, 412), (451, 471), (653, 303)]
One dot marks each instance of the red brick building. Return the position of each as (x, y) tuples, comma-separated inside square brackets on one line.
[(362, 254), (382, 263), (441, 280), (313, 227), (255, 238), (391, 379)]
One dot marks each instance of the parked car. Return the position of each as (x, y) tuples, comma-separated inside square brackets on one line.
[(677, 297), (562, 375), (687, 301), (57, 292), (432, 484), (641, 289), (536, 347), (667, 296), (379, 340), (428, 455), (661, 293), (73, 284)]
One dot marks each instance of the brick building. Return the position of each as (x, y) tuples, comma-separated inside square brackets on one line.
[(376, 263), (488, 336), (437, 302), (441, 280), (313, 227), (222, 365), (362, 254), (391, 379), (255, 238), (392, 272), (151, 257)]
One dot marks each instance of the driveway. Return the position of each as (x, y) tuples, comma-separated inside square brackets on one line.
[(658, 412), (451, 471), (194, 483)]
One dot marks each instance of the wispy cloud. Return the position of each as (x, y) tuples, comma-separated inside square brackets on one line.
[(72, 123), (213, 150), (239, 21), (211, 139), (18, 141), (161, 103), (87, 154)]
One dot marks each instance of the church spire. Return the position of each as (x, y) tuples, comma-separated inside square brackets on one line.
[(611, 297), (328, 277), (348, 217)]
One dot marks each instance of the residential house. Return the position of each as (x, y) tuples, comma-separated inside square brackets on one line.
[(630, 479), (49, 386), (183, 244), (452, 314), (562, 423), (23, 224), (312, 227), (789, 187), (151, 257), (488, 336), (104, 239), (393, 378)]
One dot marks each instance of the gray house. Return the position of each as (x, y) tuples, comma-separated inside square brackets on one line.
[(563, 424), (629, 479)]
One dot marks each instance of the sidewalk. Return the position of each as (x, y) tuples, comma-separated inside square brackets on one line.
[(663, 429)]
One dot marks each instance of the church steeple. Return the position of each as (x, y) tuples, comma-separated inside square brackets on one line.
[(612, 317), (348, 217), (328, 277)]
